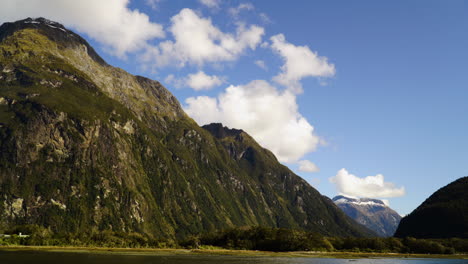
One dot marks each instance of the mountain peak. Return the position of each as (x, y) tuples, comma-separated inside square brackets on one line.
[(42, 21), (52, 30), (372, 213), (61, 52)]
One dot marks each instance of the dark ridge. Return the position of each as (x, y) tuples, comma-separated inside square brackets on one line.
[(443, 215), (54, 31), (220, 131)]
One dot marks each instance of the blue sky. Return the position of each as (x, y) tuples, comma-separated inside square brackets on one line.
[(386, 93)]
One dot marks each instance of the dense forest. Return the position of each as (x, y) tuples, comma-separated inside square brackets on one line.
[(443, 215), (280, 239), (248, 238)]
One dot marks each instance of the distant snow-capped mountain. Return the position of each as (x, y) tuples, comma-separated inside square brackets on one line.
[(372, 213)]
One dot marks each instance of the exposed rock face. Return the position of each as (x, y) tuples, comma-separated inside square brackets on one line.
[(372, 213), (220, 132), (84, 145), (443, 215)]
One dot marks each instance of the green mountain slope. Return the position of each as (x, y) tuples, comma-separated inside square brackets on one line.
[(443, 215), (88, 147), (281, 188)]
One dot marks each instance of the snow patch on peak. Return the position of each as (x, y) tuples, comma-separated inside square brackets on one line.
[(358, 201), (56, 28), (372, 203), (44, 21), (31, 22), (342, 200)]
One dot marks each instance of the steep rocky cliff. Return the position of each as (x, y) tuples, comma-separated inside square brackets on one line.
[(85, 146)]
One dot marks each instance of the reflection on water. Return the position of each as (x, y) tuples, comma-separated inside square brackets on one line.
[(39, 257)]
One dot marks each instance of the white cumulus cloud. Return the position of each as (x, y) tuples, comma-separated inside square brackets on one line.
[(370, 186), (198, 81), (110, 22), (197, 41), (203, 109), (307, 166), (201, 81), (271, 116), (299, 62)]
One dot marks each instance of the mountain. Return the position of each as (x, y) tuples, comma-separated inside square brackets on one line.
[(443, 215), (86, 147), (372, 213)]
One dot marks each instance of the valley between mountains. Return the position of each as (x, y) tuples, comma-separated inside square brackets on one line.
[(92, 155)]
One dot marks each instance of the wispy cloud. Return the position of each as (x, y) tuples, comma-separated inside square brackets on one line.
[(234, 11), (265, 18), (153, 3), (307, 166), (261, 64), (210, 3)]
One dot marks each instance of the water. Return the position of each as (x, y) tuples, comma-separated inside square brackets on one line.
[(40, 257)]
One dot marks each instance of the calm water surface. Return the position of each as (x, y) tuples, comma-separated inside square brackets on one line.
[(39, 257)]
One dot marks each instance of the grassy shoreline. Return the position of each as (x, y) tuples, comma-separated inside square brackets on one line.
[(227, 252)]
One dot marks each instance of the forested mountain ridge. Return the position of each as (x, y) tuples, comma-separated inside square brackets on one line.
[(443, 215), (86, 147)]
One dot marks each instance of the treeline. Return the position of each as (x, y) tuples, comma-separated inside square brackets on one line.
[(279, 239), (249, 238), (399, 245), (40, 236), (261, 238)]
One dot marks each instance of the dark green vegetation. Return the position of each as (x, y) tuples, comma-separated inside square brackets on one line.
[(249, 238), (443, 215), (280, 239), (40, 236), (261, 238), (371, 213), (90, 154)]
